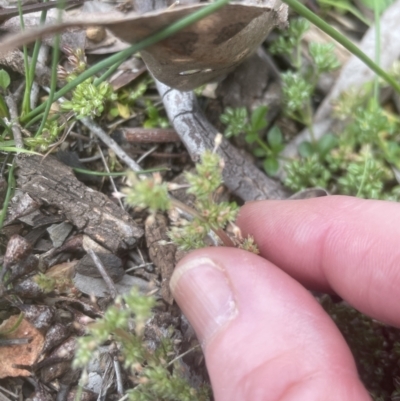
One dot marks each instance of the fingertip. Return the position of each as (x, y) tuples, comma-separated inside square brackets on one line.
[(261, 332), (335, 244)]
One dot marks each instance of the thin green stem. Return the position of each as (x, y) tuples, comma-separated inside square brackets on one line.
[(30, 76), (107, 74), (350, 46), (7, 129), (53, 84), (377, 47), (298, 59), (34, 120), (54, 65), (264, 146), (25, 103), (123, 55), (10, 187), (346, 7), (364, 177)]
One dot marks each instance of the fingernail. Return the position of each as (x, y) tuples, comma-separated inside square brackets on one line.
[(203, 291)]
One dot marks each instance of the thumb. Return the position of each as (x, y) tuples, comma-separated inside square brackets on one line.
[(263, 335)]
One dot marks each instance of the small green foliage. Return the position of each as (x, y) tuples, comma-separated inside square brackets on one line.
[(154, 379), (88, 100), (210, 215), (207, 216), (138, 91), (208, 176), (361, 159), (323, 57), (150, 193), (380, 5), (154, 119), (299, 85), (250, 245), (288, 43), (306, 173), (296, 93), (4, 84), (365, 178), (46, 283), (50, 134), (237, 122), (157, 383), (322, 147), (4, 79), (189, 235), (141, 307)]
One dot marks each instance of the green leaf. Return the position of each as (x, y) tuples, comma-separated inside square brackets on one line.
[(251, 137), (17, 150), (258, 121), (306, 149), (380, 4), (259, 152), (326, 144), (11, 142), (3, 108), (4, 79), (275, 138), (271, 166)]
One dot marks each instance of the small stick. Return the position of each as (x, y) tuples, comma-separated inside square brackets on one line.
[(4, 342), (110, 284), (150, 135), (111, 178), (101, 134), (12, 108), (117, 369)]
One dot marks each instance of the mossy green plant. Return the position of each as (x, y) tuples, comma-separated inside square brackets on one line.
[(207, 214)]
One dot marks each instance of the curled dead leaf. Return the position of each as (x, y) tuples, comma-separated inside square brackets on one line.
[(197, 54)]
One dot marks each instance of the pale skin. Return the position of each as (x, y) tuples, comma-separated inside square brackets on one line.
[(265, 338)]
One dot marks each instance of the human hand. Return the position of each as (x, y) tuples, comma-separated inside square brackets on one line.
[(263, 335)]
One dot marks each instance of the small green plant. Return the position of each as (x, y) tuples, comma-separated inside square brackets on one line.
[(150, 193), (154, 374), (306, 173), (237, 122), (207, 216), (50, 134), (88, 98), (154, 119), (289, 42), (4, 84), (361, 160), (127, 99)]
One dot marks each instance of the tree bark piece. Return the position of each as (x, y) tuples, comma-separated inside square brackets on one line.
[(53, 183), (240, 174)]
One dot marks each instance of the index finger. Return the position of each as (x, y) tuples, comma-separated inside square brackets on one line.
[(336, 243)]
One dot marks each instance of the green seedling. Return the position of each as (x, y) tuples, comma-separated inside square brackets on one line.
[(206, 216), (4, 84), (154, 373), (237, 122), (154, 119)]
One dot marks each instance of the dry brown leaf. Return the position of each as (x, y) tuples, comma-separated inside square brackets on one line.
[(199, 53), (23, 354), (64, 270)]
